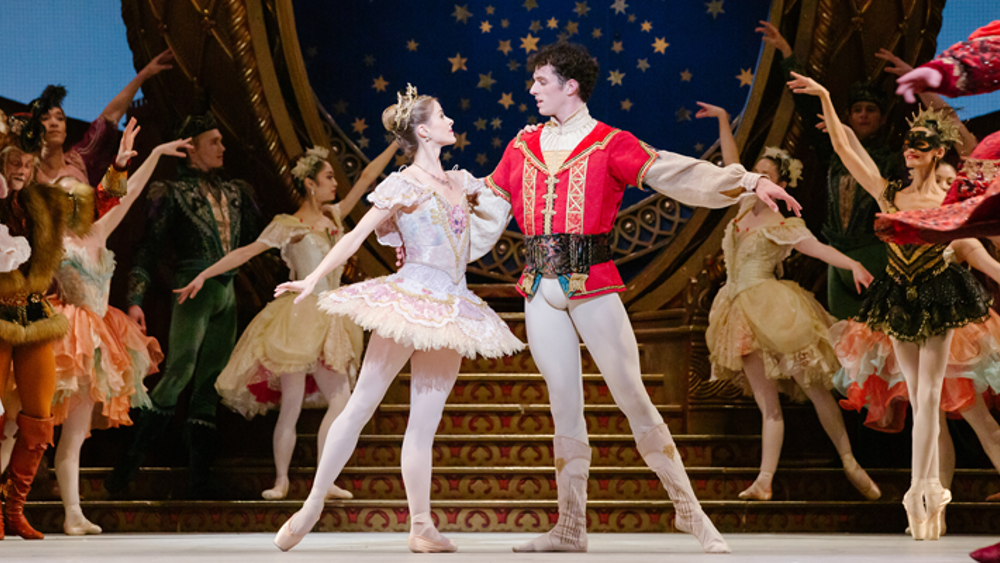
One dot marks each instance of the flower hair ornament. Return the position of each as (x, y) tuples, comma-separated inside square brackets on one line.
[(309, 162), (937, 121), (788, 167), (404, 106)]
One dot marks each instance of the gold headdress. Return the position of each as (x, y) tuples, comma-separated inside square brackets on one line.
[(404, 106), (788, 167), (307, 163), (937, 121)]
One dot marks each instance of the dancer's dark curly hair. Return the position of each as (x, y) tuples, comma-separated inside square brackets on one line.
[(571, 61)]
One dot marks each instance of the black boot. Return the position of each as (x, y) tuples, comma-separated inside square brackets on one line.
[(202, 444), (152, 424)]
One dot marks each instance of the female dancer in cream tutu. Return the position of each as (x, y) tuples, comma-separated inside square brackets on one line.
[(424, 313), (106, 355), (770, 335), (294, 354)]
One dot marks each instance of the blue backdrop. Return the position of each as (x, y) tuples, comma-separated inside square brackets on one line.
[(656, 59)]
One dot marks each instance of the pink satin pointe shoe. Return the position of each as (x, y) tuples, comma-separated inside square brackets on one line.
[(285, 539), (422, 544), (860, 479), (937, 498), (336, 493), (916, 514), (757, 491)]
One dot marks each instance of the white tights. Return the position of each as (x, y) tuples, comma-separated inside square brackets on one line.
[(75, 430), (553, 321), (335, 387), (433, 375)]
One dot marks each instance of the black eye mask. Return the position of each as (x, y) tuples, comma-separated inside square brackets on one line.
[(921, 141)]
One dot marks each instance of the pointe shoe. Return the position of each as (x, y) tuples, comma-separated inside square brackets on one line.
[(277, 492), (916, 515), (755, 492), (861, 481), (285, 539), (422, 544), (555, 541), (937, 498), (993, 498), (700, 526), (78, 525), (336, 493)]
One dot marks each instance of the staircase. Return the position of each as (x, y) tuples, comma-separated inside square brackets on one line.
[(493, 465)]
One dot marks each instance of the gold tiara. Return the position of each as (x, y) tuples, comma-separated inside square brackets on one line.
[(405, 105)]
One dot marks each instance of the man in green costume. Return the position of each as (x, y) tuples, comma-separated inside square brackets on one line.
[(850, 220), (199, 217)]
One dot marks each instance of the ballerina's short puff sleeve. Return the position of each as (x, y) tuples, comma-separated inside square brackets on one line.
[(488, 217), (786, 233), (396, 191), (282, 229), (14, 251)]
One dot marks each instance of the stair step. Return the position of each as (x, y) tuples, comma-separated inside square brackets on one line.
[(517, 388), (522, 362), (515, 419), (505, 516)]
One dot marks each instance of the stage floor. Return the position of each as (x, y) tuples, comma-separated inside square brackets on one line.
[(487, 548)]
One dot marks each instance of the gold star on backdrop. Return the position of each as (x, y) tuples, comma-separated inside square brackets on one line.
[(535, 26), (698, 147), (312, 51), (486, 81), (596, 34), (480, 124), (481, 158), (631, 18), (446, 156), (552, 23), (530, 4), (715, 8), (485, 27), (412, 45), (497, 143), (388, 138), (581, 9), (528, 83), (532, 119), (522, 108), (496, 123), (400, 160), (686, 75), (529, 43), (660, 45), (505, 23), (626, 104), (506, 100), (369, 60), (363, 142), (619, 6), (745, 77), (359, 125), (380, 84), (616, 46), (616, 78), (572, 28), (513, 65), (505, 47), (490, 10), (340, 107), (647, 26), (461, 142), (683, 114), (461, 13), (643, 64), (457, 62), (464, 104)]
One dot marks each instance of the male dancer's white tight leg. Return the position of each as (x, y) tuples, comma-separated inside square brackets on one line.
[(924, 367), (765, 392), (74, 431), (603, 324), (383, 360), (335, 387)]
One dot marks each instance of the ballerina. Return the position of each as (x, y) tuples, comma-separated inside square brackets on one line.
[(770, 335), (424, 313), (106, 355), (295, 354)]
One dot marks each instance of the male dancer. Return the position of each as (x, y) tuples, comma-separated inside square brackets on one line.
[(565, 182), (203, 216)]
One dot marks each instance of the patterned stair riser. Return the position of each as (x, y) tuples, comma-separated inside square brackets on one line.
[(514, 420), (730, 517), (516, 391)]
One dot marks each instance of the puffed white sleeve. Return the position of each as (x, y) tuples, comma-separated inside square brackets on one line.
[(392, 192), (697, 182), (488, 218), (14, 251)]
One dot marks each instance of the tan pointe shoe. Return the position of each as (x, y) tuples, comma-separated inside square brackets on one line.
[(421, 544), (336, 493), (859, 478), (285, 539), (937, 497), (78, 525), (278, 492), (916, 514), (760, 489)]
